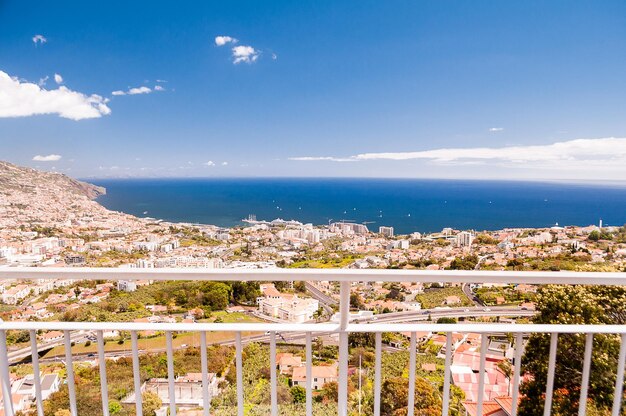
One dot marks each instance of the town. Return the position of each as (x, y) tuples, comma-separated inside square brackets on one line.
[(45, 234)]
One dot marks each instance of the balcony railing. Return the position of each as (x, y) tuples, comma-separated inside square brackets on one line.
[(343, 328)]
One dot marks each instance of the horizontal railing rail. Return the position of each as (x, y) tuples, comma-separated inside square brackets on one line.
[(336, 275), (480, 328), (270, 332)]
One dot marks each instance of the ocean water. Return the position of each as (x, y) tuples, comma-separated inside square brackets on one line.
[(406, 204)]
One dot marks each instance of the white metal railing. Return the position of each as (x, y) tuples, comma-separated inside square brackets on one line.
[(343, 328)]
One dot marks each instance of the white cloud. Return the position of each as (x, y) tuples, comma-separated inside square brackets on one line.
[(58, 79), (47, 158), (245, 54), (606, 155), (39, 39), (139, 90), (223, 40), (606, 149), (322, 158), (21, 99), (496, 129), (224, 163), (42, 81), (210, 163), (274, 56)]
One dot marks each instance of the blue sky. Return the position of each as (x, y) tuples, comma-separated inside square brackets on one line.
[(475, 89)]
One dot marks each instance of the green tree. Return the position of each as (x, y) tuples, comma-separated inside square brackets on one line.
[(594, 235), (395, 395), (151, 403), (356, 302), (115, 407), (573, 305), (465, 263), (298, 394), (330, 392)]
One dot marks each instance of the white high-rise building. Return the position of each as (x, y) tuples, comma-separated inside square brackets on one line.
[(386, 231), (464, 239)]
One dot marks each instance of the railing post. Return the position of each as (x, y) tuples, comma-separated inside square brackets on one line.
[(104, 393), (412, 357), (377, 373), (204, 362), (519, 347), (4, 373), (484, 339), (136, 374), (273, 378), (69, 365), (309, 375), (446, 377), (239, 371), (170, 372), (36, 372), (619, 380), (344, 316), (547, 407), (584, 384)]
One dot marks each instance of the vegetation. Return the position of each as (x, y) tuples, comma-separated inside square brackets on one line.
[(574, 305), (464, 263), (490, 295), (178, 296), (120, 381), (431, 298)]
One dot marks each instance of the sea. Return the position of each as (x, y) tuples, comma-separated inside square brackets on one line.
[(408, 205)]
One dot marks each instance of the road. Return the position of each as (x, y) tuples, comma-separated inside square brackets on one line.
[(18, 355), (327, 301), (298, 337), (471, 295)]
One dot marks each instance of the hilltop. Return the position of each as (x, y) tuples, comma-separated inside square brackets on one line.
[(17, 179), (29, 196)]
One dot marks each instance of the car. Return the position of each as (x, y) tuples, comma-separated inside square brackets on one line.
[(466, 310), (487, 309), (374, 318)]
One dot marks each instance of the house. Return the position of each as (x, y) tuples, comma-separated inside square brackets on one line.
[(499, 406), (286, 362), (15, 294), (126, 286), (321, 375), (52, 336), (156, 308), (20, 402), (188, 392), (290, 308), (50, 383)]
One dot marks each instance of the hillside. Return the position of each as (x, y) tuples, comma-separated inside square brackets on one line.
[(29, 196)]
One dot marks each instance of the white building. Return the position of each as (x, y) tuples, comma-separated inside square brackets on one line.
[(386, 231), (464, 239), (126, 285), (321, 375), (15, 294), (285, 306)]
